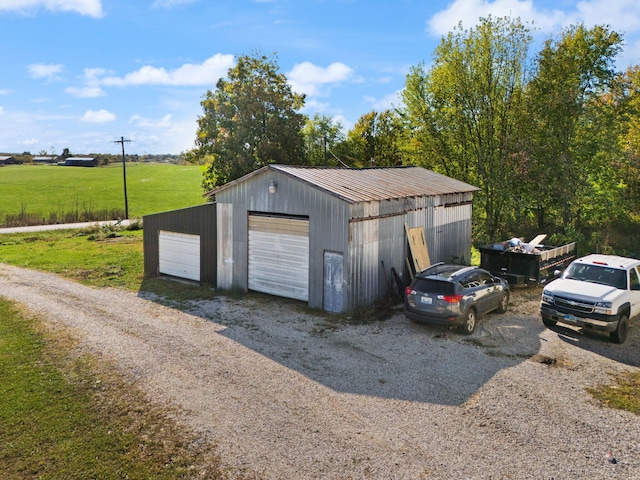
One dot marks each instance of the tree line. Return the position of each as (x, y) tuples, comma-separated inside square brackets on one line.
[(552, 139), (102, 158)]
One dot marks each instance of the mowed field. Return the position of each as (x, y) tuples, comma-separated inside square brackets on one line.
[(151, 188)]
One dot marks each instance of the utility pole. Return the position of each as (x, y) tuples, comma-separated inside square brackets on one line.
[(122, 141)]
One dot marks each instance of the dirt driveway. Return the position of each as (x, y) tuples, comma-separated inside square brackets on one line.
[(292, 394)]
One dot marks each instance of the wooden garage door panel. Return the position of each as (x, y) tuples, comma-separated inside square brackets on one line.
[(179, 255), (279, 262)]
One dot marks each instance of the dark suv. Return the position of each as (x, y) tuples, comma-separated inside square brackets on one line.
[(455, 295)]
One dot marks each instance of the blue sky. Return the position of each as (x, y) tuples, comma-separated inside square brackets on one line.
[(80, 74)]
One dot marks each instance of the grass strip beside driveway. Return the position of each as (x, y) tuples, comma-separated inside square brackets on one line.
[(66, 416)]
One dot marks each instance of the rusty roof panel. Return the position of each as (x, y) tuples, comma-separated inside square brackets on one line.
[(371, 184), (367, 184)]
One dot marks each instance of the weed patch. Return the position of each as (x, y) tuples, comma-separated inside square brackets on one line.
[(623, 394)]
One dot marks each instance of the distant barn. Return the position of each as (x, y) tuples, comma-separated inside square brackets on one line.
[(7, 159), (44, 159), (79, 162)]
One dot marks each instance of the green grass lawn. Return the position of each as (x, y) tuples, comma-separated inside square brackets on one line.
[(68, 416), (102, 257), (43, 190)]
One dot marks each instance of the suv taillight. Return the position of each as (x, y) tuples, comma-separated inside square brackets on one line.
[(452, 298), (408, 291)]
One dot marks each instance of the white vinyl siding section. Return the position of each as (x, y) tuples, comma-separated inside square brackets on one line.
[(179, 255), (279, 256)]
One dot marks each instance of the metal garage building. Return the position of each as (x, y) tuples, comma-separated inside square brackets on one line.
[(182, 243), (330, 236)]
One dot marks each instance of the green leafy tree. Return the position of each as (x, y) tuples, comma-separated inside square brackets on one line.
[(321, 137), (374, 140), (461, 117), (567, 122), (625, 99), (249, 120)]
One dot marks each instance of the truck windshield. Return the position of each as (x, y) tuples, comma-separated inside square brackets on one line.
[(613, 277)]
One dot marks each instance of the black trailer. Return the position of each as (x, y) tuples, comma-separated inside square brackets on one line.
[(521, 268)]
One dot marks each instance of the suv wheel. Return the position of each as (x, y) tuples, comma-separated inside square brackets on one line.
[(620, 333), (504, 303), (469, 325)]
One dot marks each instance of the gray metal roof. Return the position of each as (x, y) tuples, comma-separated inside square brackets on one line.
[(367, 184)]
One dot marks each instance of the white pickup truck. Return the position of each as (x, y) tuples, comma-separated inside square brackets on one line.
[(599, 292)]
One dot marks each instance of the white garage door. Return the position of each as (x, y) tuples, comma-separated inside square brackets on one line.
[(279, 256), (179, 255)]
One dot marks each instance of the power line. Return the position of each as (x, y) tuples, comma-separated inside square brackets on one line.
[(122, 141)]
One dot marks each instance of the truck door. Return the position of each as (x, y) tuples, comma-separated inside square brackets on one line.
[(634, 287)]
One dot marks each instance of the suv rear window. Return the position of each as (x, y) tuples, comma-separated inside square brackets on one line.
[(434, 286)]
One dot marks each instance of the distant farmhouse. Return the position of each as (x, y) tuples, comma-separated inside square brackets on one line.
[(79, 162), (7, 160)]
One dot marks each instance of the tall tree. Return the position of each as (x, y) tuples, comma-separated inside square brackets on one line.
[(321, 136), (563, 109), (461, 116), (374, 140), (249, 120), (626, 99)]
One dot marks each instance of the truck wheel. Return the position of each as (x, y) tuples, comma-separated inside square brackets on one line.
[(548, 322), (469, 325), (504, 303), (620, 333)]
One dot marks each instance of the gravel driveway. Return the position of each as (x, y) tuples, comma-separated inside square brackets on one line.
[(292, 394)]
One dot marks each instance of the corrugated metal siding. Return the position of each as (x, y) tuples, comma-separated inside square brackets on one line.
[(377, 246), (328, 224), (367, 233), (447, 223), (199, 220)]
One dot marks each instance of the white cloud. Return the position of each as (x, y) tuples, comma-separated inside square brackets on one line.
[(41, 70), (630, 55), (85, 92), (101, 116), (308, 78), (91, 89), (165, 135), (312, 105), (147, 122), (469, 11), (621, 15), (189, 74), (91, 8), (388, 102)]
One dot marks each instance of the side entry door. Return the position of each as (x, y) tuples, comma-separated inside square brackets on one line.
[(333, 281)]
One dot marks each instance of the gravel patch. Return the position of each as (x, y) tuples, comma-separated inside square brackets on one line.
[(287, 393)]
